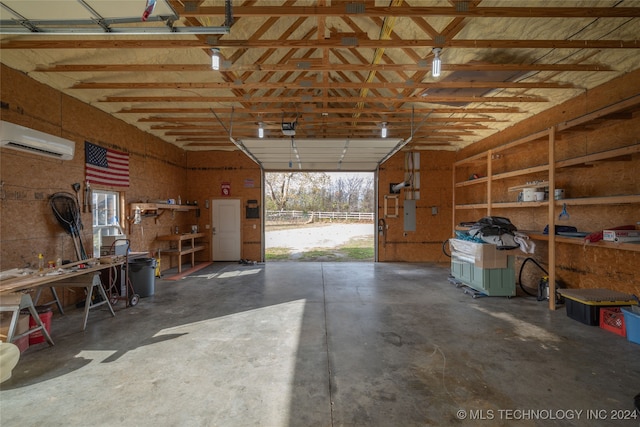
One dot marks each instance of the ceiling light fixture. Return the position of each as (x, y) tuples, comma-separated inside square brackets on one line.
[(260, 130), (436, 66), (383, 131), (215, 58)]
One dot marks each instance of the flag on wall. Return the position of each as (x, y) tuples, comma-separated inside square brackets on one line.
[(106, 166)]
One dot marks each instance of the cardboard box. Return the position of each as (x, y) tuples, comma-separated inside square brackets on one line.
[(21, 327), (482, 255), (621, 235)]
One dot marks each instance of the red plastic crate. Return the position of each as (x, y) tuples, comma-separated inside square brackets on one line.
[(612, 320)]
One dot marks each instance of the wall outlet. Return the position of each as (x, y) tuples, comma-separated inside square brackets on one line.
[(206, 226)]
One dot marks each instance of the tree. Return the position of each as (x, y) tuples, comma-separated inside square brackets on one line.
[(368, 203), (318, 191), (353, 188), (279, 186)]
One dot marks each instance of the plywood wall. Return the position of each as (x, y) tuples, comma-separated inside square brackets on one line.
[(580, 266), (433, 209), (207, 171), (27, 224)]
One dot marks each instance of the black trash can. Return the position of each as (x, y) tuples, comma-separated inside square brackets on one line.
[(142, 273)]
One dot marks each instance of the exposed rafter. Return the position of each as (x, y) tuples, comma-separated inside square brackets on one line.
[(339, 10), (339, 68), (311, 65), (338, 43)]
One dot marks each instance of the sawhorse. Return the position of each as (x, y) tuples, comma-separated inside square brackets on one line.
[(16, 302), (55, 301), (89, 287)]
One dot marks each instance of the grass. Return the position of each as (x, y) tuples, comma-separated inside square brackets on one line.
[(356, 249), (277, 254), (319, 255)]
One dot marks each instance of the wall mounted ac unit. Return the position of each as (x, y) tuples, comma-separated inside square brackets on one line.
[(35, 142)]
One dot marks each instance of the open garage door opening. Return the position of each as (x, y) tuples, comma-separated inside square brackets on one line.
[(319, 216)]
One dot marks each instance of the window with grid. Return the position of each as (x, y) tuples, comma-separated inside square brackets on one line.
[(106, 218)]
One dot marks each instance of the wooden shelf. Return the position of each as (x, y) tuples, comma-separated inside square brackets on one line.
[(617, 153), (184, 251), (472, 206), (190, 249), (614, 108), (156, 210), (181, 237), (500, 205), (158, 206), (624, 246), (533, 137), (606, 200), (520, 172), (532, 151), (539, 184), (472, 182), (477, 159)]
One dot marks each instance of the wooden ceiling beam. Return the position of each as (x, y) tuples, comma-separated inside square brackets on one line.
[(422, 23), (357, 77), (413, 11), (216, 144), (203, 139), (397, 125), (307, 84), (310, 100), (455, 26), (120, 43), (294, 65), (257, 34), (286, 58), (302, 121), (251, 132), (318, 110)]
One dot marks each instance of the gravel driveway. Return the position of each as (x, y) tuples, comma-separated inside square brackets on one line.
[(324, 236)]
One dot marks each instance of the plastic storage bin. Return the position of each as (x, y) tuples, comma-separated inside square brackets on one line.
[(142, 273), (584, 305), (632, 323), (584, 313)]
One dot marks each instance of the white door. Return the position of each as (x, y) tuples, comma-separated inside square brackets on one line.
[(225, 232)]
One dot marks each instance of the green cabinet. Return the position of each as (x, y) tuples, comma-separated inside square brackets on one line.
[(498, 282)]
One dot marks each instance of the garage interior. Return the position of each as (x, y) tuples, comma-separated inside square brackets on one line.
[(480, 102)]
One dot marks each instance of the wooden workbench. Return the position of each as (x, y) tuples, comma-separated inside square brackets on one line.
[(30, 279), (81, 274), (185, 244)]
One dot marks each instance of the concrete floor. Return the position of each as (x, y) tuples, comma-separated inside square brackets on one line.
[(323, 344)]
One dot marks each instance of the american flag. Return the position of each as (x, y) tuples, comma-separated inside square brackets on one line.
[(105, 166)]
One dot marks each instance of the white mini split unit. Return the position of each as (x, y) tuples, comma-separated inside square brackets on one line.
[(32, 141)]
